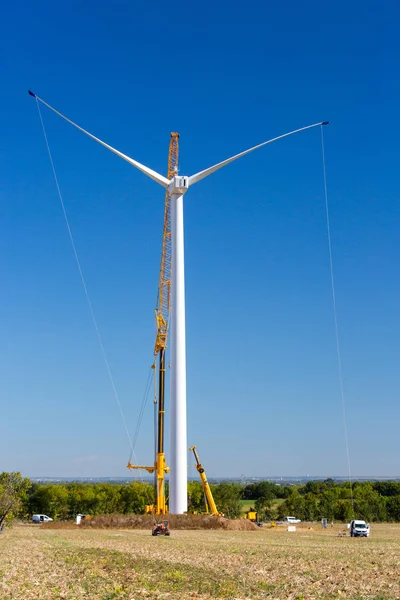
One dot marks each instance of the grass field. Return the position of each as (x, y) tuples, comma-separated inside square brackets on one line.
[(72, 564)]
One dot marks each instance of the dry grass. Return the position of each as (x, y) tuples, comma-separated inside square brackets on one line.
[(187, 522), (107, 564)]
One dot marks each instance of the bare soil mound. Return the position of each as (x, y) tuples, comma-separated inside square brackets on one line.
[(147, 521)]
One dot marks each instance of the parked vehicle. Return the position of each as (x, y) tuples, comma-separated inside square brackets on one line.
[(161, 529), (41, 519), (359, 528), (291, 520), (253, 516)]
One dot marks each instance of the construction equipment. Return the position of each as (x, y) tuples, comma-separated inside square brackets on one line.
[(161, 529), (252, 515), (206, 486), (162, 320)]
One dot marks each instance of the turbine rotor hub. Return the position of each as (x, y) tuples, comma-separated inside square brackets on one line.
[(179, 185)]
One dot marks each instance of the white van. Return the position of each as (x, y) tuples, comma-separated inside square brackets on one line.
[(41, 519), (359, 528)]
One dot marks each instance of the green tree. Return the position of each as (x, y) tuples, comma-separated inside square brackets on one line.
[(82, 499), (368, 504), (311, 487), (134, 497), (387, 488), (345, 491), (52, 500), (196, 501), (107, 499), (227, 498), (13, 496), (393, 508), (311, 507), (327, 501), (329, 483), (285, 491), (343, 510), (263, 506), (294, 506)]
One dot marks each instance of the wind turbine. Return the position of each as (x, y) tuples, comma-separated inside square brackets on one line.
[(177, 187)]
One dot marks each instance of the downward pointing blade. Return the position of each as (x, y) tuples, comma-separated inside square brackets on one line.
[(149, 172), (202, 174)]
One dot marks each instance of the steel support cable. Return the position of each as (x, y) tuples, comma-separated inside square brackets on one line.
[(141, 414), (78, 263), (155, 423), (337, 337), (155, 403)]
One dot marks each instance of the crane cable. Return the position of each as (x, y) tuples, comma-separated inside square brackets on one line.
[(338, 350), (78, 263), (141, 414)]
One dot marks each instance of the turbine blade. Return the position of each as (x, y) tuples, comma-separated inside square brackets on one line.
[(202, 174), (149, 172)]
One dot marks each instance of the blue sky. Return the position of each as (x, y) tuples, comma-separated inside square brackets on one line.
[(263, 389)]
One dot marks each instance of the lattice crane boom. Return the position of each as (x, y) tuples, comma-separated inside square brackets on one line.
[(164, 283), (162, 320)]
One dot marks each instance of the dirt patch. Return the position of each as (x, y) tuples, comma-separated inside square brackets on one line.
[(58, 525), (147, 521)]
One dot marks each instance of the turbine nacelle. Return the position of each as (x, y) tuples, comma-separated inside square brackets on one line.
[(178, 185)]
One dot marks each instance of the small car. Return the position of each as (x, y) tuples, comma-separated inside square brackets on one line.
[(41, 519), (291, 520)]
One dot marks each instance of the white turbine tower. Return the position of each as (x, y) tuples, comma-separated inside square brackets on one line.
[(177, 187)]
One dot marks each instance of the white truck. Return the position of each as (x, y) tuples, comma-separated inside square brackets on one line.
[(359, 528)]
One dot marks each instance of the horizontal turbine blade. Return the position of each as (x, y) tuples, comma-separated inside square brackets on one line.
[(149, 172), (202, 174)]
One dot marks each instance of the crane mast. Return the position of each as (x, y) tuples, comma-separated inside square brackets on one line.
[(162, 320), (206, 485)]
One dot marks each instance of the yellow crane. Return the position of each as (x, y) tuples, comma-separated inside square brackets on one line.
[(162, 318), (206, 486)]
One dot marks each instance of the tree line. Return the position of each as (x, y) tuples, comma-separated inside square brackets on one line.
[(372, 501), (20, 498), (369, 500)]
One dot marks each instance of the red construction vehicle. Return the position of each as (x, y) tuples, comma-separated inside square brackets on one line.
[(161, 529)]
